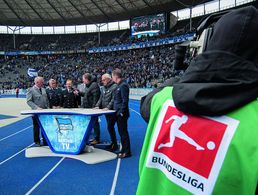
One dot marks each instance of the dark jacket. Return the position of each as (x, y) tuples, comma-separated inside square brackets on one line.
[(225, 76), (91, 95), (70, 100), (106, 99), (55, 97), (121, 98)]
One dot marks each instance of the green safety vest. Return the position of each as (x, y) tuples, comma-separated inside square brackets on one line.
[(186, 154)]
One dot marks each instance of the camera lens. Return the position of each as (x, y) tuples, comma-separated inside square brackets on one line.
[(180, 52)]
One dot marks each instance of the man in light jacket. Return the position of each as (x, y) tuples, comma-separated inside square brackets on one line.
[(106, 101), (37, 100)]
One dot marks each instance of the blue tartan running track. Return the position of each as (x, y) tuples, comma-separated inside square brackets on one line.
[(56, 175)]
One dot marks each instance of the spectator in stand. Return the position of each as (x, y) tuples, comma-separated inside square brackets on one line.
[(54, 94), (70, 98), (142, 67), (121, 100), (17, 90), (106, 101), (37, 100)]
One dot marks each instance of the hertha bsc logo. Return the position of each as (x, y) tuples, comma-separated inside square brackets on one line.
[(190, 150)]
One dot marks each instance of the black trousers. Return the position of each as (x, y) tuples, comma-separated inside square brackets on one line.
[(36, 130), (123, 132), (111, 120)]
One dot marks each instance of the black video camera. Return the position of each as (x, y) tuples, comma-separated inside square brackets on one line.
[(186, 51)]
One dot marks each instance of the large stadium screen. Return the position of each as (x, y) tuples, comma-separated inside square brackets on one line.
[(148, 25)]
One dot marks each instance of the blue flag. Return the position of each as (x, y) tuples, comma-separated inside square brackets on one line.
[(32, 72)]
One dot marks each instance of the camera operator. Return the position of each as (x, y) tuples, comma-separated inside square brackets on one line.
[(208, 119)]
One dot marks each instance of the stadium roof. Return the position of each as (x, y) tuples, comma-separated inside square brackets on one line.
[(78, 12)]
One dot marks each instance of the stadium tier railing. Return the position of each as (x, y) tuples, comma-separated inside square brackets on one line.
[(135, 93), (119, 47)]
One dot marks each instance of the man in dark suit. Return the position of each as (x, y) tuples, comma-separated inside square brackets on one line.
[(70, 98), (37, 99), (121, 99), (54, 94)]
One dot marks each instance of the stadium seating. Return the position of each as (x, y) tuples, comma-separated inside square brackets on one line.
[(143, 67)]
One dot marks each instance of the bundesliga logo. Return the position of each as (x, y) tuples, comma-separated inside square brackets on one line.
[(190, 150)]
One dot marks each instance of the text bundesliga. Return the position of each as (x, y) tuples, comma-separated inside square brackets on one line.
[(179, 174)]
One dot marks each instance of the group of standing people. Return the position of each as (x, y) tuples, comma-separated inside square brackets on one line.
[(114, 95)]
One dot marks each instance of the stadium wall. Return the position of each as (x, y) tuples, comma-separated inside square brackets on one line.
[(135, 93), (138, 93)]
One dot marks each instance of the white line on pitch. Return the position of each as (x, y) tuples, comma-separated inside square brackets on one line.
[(116, 175), (43, 178), (135, 111), (15, 133), (15, 154), (118, 166)]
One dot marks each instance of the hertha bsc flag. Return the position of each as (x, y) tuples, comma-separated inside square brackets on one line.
[(32, 72)]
